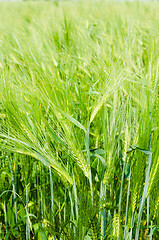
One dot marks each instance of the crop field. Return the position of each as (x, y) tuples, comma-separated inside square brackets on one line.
[(79, 120)]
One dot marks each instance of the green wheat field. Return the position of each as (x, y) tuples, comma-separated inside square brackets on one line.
[(79, 120)]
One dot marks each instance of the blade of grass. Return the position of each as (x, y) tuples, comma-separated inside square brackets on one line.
[(144, 195)]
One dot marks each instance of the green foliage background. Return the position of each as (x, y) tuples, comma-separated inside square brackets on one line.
[(79, 120)]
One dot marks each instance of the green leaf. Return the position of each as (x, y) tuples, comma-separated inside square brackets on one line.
[(98, 151), (36, 228), (94, 163), (134, 147), (127, 171), (74, 121), (42, 159), (100, 158), (42, 235), (144, 150)]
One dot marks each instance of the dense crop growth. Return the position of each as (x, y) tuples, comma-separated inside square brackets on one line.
[(79, 121)]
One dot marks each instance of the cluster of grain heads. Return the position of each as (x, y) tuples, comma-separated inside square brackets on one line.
[(78, 150)]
